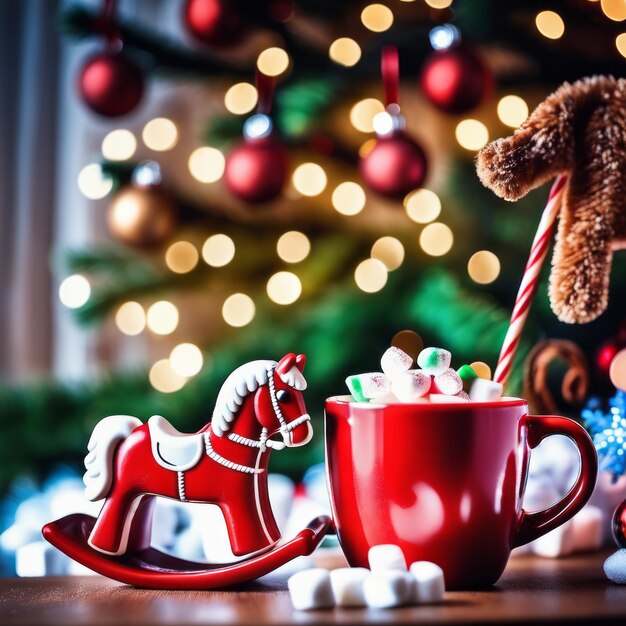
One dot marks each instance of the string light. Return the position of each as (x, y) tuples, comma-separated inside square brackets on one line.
[(186, 360), (160, 134), (471, 134), (164, 379), (130, 318), (550, 24), (370, 275), (241, 98), (512, 111), (377, 17), (238, 310), (181, 257), (390, 251), (207, 164), (93, 183), (218, 250), (309, 179), (363, 112), (284, 288), (436, 239), (162, 318), (293, 246), (422, 206), (620, 44), (345, 51), (119, 145), (74, 291), (438, 4), (483, 267), (348, 198), (614, 9), (273, 61)]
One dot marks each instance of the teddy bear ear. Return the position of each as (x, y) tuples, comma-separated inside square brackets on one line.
[(540, 149)]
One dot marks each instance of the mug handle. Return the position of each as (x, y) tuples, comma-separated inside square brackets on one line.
[(534, 525)]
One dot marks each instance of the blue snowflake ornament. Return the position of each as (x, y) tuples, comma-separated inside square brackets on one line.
[(608, 429)]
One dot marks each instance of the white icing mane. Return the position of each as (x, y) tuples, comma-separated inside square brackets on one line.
[(242, 382)]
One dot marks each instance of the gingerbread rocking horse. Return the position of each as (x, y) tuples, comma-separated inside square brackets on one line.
[(225, 463)]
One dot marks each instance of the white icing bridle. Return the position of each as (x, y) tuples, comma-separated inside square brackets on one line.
[(263, 443)]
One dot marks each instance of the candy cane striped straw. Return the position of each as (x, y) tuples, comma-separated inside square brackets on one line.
[(530, 280)]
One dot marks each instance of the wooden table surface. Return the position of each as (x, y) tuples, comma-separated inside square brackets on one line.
[(532, 591)]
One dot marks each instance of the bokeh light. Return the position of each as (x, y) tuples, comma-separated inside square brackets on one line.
[(550, 24), (436, 239), (348, 198), (273, 61), (438, 4), (284, 288), (422, 206), (160, 134), (162, 318), (309, 179), (471, 134), (390, 251), (293, 246), (512, 110), (130, 318), (345, 51), (614, 9), (483, 267), (119, 145), (207, 164), (363, 112), (238, 310), (241, 98), (186, 359), (370, 275), (218, 250), (620, 44), (164, 379), (93, 183), (74, 291), (377, 17), (181, 257)]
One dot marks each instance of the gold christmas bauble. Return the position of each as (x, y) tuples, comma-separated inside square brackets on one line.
[(142, 216)]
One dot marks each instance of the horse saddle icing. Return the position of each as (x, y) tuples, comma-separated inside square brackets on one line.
[(172, 449)]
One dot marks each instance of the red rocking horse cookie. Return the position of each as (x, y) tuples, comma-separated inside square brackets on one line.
[(225, 463)]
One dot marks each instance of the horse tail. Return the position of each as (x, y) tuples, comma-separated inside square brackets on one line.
[(107, 433)]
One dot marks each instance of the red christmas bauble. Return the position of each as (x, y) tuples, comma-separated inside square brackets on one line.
[(618, 525), (605, 356), (394, 166), (256, 170), (213, 22), (111, 84), (456, 80)]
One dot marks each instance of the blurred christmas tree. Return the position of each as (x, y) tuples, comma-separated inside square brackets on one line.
[(292, 225)]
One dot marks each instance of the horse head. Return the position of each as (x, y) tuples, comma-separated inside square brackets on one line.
[(280, 405)]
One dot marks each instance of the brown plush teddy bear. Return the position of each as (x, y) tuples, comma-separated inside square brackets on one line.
[(580, 131)]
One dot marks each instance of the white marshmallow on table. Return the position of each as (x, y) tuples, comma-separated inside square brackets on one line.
[(386, 556), (588, 529), (429, 584), (434, 361), (410, 385), (347, 584), (311, 589), (449, 382), (483, 390), (388, 588), (558, 542), (395, 361), (615, 567)]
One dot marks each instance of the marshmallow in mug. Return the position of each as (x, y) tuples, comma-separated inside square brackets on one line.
[(434, 381)]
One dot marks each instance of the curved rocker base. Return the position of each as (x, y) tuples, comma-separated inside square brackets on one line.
[(156, 570)]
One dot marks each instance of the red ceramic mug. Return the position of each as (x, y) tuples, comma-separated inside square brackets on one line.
[(445, 482)]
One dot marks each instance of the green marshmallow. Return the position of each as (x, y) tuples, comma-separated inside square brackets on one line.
[(356, 388), (467, 375)]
